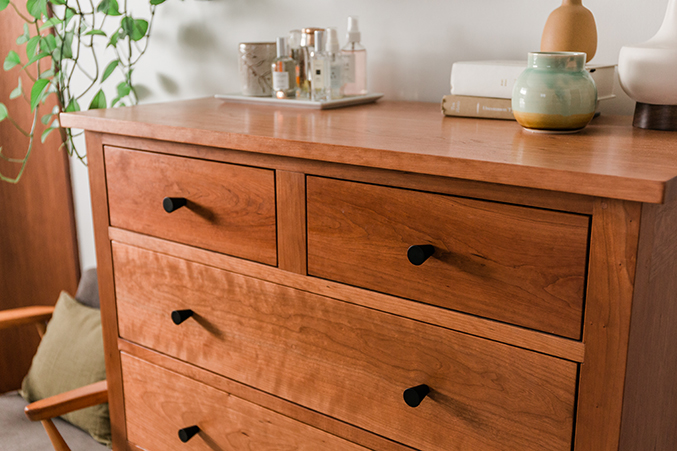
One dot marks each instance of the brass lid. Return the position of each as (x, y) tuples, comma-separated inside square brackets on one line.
[(308, 38)]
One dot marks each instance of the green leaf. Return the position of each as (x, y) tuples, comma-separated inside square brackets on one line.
[(157, 2), (46, 133), (3, 112), (49, 73), (24, 37), (113, 42), (32, 46), (47, 118), (124, 89), (58, 2), (37, 8), (70, 13), (99, 101), (3, 4), (48, 43), (17, 92), (50, 23), (95, 32), (109, 70), (38, 91), (67, 46), (134, 28), (11, 60), (109, 7), (37, 57), (72, 106)]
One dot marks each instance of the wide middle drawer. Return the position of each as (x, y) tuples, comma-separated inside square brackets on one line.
[(347, 361), (519, 265), (228, 208)]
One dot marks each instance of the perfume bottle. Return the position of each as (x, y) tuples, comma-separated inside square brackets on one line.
[(319, 68), (335, 61), (284, 72), (307, 47), (294, 44), (355, 62)]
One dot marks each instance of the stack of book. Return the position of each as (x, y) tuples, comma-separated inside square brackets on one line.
[(484, 88)]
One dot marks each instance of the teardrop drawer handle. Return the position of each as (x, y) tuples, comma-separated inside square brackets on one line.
[(186, 434), (414, 395), (179, 316), (171, 204), (418, 254)]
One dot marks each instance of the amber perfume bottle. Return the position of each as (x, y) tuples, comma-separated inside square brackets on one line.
[(284, 72)]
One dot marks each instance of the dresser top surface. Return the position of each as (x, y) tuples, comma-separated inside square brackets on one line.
[(609, 158)]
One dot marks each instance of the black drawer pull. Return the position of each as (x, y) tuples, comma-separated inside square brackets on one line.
[(171, 204), (186, 434), (179, 316), (414, 395), (419, 254)]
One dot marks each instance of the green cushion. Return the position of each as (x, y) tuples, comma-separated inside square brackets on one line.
[(70, 356)]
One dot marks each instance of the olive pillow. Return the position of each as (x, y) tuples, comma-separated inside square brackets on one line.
[(70, 356)]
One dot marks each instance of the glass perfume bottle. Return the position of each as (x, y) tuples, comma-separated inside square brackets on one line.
[(319, 69), (307, 47), (335, 61), (294, 44), (355, 67), (284, 72)]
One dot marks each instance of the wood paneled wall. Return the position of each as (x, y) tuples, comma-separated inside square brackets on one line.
[(38, 243)]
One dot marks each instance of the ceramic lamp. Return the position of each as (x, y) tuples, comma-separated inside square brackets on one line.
[(570, 28), (648, 75)]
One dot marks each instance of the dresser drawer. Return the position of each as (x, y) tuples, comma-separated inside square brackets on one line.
[(519, 265), (158, 403), (347, 361), (229, 208)]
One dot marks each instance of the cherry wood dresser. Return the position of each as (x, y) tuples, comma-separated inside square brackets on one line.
[(383, 278)]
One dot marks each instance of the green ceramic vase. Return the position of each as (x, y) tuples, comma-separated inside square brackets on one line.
[(554, 93)]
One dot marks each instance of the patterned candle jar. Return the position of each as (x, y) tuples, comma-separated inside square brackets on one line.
[(554, 93), (255, 59)]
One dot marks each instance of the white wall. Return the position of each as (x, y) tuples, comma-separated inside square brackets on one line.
[(411, 46)]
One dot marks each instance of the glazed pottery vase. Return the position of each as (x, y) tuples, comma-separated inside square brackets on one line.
[(554, 93), (648, 75), (570, 28)]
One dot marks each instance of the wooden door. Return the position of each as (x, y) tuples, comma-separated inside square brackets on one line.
[(38, 243)]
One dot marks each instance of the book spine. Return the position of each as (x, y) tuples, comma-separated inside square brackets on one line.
[(479, 107)]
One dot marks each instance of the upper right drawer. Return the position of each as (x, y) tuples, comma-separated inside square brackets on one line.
[(519, 265)]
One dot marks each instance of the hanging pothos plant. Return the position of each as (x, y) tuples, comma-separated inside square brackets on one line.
[(62, 42)]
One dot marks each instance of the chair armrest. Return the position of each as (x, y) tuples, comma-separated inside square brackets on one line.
[(61, 404), (25, 315)]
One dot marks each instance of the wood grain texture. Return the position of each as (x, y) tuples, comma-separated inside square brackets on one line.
[(650, 399), (104, 272), (358, 361), (516, 336), (613, 258), (609, 158), (159, 402), (70, 401), (291, 221), (466, 188), (512, 264), (230, 209), (274, 403), (38, 244), (25, 315)]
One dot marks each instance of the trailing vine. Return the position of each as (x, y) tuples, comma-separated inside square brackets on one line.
[(62, 42)]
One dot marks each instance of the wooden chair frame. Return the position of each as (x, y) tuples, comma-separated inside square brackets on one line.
[(54, 406)]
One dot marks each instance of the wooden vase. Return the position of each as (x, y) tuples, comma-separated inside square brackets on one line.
[(570, 28)]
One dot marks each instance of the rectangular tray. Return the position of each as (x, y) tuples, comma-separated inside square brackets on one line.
[(323, 105)]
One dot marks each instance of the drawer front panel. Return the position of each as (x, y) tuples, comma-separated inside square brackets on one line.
[(518, 265), (347, 361), (229, 209), (159, 402)]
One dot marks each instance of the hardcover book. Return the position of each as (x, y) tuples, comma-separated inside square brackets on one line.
[(481, 107)]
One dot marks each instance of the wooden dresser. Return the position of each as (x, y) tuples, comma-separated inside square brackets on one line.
[(383, 278)]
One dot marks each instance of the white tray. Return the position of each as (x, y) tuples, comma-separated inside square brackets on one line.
[(323, 105)]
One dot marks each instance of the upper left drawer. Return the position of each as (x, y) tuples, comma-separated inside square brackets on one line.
[(228, 208)]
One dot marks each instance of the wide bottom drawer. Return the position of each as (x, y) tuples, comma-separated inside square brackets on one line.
[(346, 361), (159, 403)]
